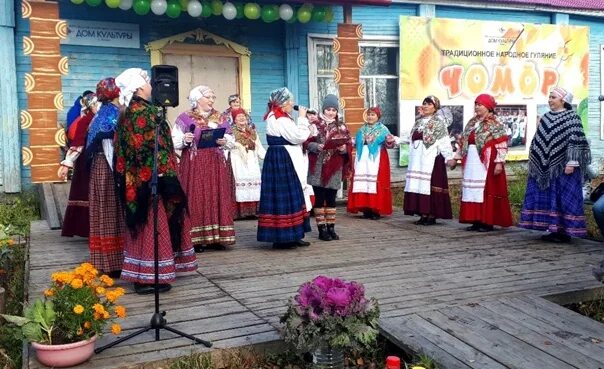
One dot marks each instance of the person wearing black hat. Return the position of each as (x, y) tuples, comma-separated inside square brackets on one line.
[(330, 161)]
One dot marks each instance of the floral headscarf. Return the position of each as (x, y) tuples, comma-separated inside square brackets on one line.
[(277, 98), (107, 90)]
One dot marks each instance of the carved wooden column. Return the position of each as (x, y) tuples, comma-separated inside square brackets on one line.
[(348, 74), (44, 89)]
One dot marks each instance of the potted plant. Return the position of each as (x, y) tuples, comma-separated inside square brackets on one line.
[(64, 325), (328, 316)]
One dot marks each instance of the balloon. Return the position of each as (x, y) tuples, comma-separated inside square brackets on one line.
[(251, 11), (286, 12), (304, 14), (329, 15), (269, 14), (318, 14), (158, 7), (93, 2), (183, 4), (141, 7), (194, 8), (239, 7), (216, 7), (206, 9), (77, 2), (173, 10), (112, 3), (229, 11), (125, 4)]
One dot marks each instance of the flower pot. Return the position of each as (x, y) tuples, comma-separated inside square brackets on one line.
[(326, 357), (61, 356)]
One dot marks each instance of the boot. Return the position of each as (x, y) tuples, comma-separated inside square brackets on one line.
[(332, 232), (323, 233)]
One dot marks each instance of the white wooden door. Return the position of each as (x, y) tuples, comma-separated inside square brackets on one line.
[(221, 73)]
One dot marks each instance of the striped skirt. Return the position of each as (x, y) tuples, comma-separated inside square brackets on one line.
[(282, 215), (558, 208), (107, 223), (139, 252)]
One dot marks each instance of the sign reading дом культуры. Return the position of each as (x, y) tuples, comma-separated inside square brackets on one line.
[(517, 63), (107, 34)]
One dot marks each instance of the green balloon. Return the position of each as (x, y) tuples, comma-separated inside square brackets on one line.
[(239, 7), (251, 11), (304, 15), (216, 7), (329, 15), (77, 2), (94, 2), (141, 7), (318, 14), (269, 14), (112, 3), (173, 10), (206, 9)]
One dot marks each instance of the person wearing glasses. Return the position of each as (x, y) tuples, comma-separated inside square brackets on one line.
[(204, 172)]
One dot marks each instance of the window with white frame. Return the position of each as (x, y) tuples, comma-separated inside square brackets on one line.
[(380, 75)]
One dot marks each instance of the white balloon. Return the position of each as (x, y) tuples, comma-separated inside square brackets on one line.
[(194, 8), (126, 4), (229, 11), (158, 7), (286, 12)]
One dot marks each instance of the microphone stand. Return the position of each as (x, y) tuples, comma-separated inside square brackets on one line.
[(157, 321)]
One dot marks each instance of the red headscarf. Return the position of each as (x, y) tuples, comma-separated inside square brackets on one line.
[(487, 101), (236, 112), (106, 90), (376, 110)]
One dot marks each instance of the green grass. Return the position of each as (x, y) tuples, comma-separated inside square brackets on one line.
[(16, 213), (593, 308)]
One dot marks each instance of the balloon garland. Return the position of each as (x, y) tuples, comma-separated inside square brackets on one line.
[(228, 9)]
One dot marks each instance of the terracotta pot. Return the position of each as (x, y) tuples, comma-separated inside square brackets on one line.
[(61, 356)]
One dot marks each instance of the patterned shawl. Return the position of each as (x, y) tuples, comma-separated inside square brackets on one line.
[(372, 136), (488, 129), (191, 117), (332, 160), (103, 126), (134, 168), (559, 139), (246, 137), (433, 130)]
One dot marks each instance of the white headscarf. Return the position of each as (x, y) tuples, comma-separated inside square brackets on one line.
[(197, 93), (562, 93), (129, 81)]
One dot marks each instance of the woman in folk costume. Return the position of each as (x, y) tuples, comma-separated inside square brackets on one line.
[(558, 160), (329, 154), (76, 221), (107, 228), (234, 103), (285, 195), (135, 146), (370, 190), (247, 150), (76, 111), (211, 202), (484, 189), (426, 186)]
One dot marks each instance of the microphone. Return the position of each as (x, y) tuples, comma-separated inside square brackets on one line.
[(309, 111), (192, 128)]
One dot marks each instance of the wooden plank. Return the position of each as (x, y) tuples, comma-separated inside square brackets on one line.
[(48, 207), (419, 335), (61, 195), (492, 341)]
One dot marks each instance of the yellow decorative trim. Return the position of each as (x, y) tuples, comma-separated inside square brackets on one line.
[(156, 48), (61, 29), (359, 31), (28, 45), (58, 101), (25, 9), (336, 45), (337, 75), (342, 103), (361, 60), (64, 65), (60, 138), (30, 82), (25, 119), (361, 90), (27, 156)]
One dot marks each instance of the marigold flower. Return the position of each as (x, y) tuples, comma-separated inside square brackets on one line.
[(111, 296), (100, 290), (98, 308), (107, 280), (49, 292), (119, 291), (120, 311), (97, 316), (80, 331), (77, 283), (106, 315), (87, 325), (11, 242), (116, 329), (78, 309)]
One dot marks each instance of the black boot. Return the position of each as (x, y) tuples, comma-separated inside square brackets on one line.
[(323, 233), (332, 232)]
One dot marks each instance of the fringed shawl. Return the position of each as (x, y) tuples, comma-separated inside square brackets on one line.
[(332, 160), (432, 130), (103, 126), (134, 167), (559, 139), (488, 129), (372, 136)]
